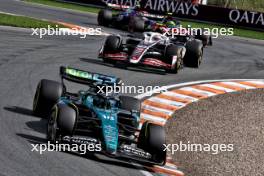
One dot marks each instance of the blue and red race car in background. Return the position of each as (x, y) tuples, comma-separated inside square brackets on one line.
[(137, 20)]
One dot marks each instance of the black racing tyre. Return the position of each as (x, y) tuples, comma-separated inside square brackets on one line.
[(136, 24), (61, 122), (210, 41), (66, 118), (142, 143), (152, 139), (47, 94), (130, 103), (104, 17), (112, 44), (170, 52), (204, 38), (194, 53), (52, 127)]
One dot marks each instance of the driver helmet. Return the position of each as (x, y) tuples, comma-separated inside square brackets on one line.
[(137, 6), (170, 24), (169, 17)]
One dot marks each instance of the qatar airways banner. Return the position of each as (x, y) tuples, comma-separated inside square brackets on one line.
[(194, 11), (247, 17), (198, 12), (168, 6)]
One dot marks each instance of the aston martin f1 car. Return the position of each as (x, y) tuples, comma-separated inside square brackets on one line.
[(92, 117), (154, 50)]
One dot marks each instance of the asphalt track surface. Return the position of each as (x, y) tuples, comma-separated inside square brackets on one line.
[(26, 59)]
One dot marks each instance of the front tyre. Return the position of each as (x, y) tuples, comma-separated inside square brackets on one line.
[(173, 56), (52, 129), (61, 122), (112, 44), (152, 140), (194, 53)]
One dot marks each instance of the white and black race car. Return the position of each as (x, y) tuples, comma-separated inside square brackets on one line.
[(154, 50)]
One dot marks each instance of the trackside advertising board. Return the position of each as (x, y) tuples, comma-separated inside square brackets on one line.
[(214, 14), (235, 17)]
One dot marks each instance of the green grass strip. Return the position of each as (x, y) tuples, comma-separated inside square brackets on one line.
[(65, 5), (25, 22)]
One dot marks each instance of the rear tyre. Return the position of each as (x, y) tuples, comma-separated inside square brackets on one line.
[(136, 24), (104, 17), (47, 94), (194, 53), (173, 52), (206, 39), (210, 41), (152, 140)]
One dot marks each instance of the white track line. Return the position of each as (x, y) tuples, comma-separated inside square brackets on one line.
[(261, 82), (173, 170), (154, 108), (166, 101), (177, 95), (202, 92), (217, 87), (239, 85)]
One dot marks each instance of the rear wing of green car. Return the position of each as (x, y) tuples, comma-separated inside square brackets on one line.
[(87, 78)]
